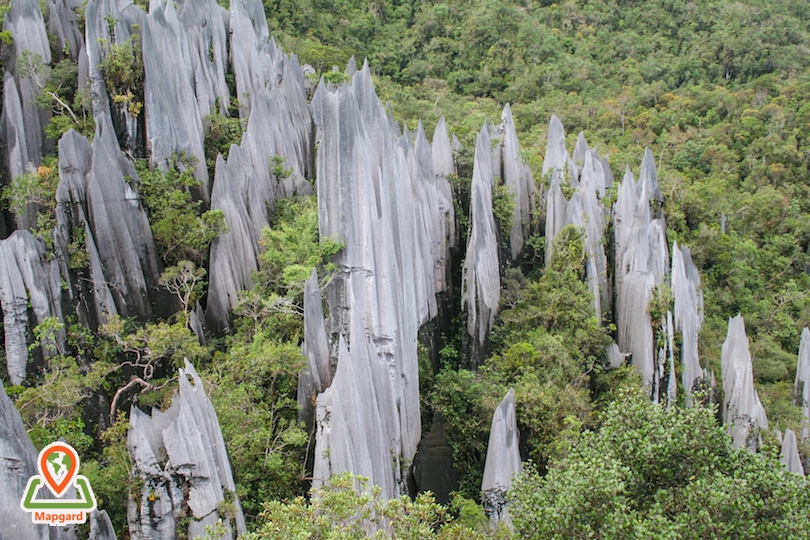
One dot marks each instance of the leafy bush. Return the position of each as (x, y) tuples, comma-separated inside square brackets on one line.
[(662, 472), (336, 510), (182, 231), (253, 391), (220, 133)]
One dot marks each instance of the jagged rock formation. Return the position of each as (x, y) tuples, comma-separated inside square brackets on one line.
[(63, 25), (640, 235), (180, 457), (802, 384), (789, 455), (503, 459), (270, 87), (634, 324), (101, 528), (557, 169), (272, 94), (642, 263), (24, 119), (357, 420), (27, 279), (18, 459), (517, 178), (440, 220), (443, 166), (587, 175), (481, 282), (180, 78), (317, 374), (97, 195), (742, 411), (378, 195), (688, 314), (111, 23), (234, 255)]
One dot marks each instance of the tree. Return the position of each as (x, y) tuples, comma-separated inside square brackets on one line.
[(651, 471), (346, 508), (182, 230)]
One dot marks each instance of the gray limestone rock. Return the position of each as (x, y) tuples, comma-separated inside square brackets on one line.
[(108, 23), (273, 82), (802, 384), (789, 455), (585, 210), (357, 422), (481, 280), (742, 411), (615, 356), (17, 154), (649, 177), (91, 296), (640, 238), (556, 160), (640, 250), (586, 173), (439, 224), (556, 170), (173, 115), (624, 211), (519, 182), (234, 254), (101, 528), (503, 459), (580, 150), (24, 119), (634, 325), (28, 281), (377, 194), (443, 166), (688, 314), (18, 459), (443, 163), (317, 373), (64, 26), (279, 125), (119, 226), (180, 457), (205, 24)]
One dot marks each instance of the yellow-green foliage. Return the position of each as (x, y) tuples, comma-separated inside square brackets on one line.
[(346, 508)]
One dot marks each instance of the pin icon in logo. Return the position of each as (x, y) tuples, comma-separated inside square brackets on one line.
[(58, 465)]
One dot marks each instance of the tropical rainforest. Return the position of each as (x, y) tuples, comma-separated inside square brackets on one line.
[(718, 90)]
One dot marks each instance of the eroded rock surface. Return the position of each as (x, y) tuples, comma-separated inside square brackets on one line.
[(481, 282), (180, 457), (378, 194), (503, 459), (18, 459), (802, 384), (23, 119), (97, 195), (28, 281), (789, 455), (742, 410), (688, 298), (517, 178)]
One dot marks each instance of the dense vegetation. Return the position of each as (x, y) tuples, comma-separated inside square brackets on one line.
[(720, 91)]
